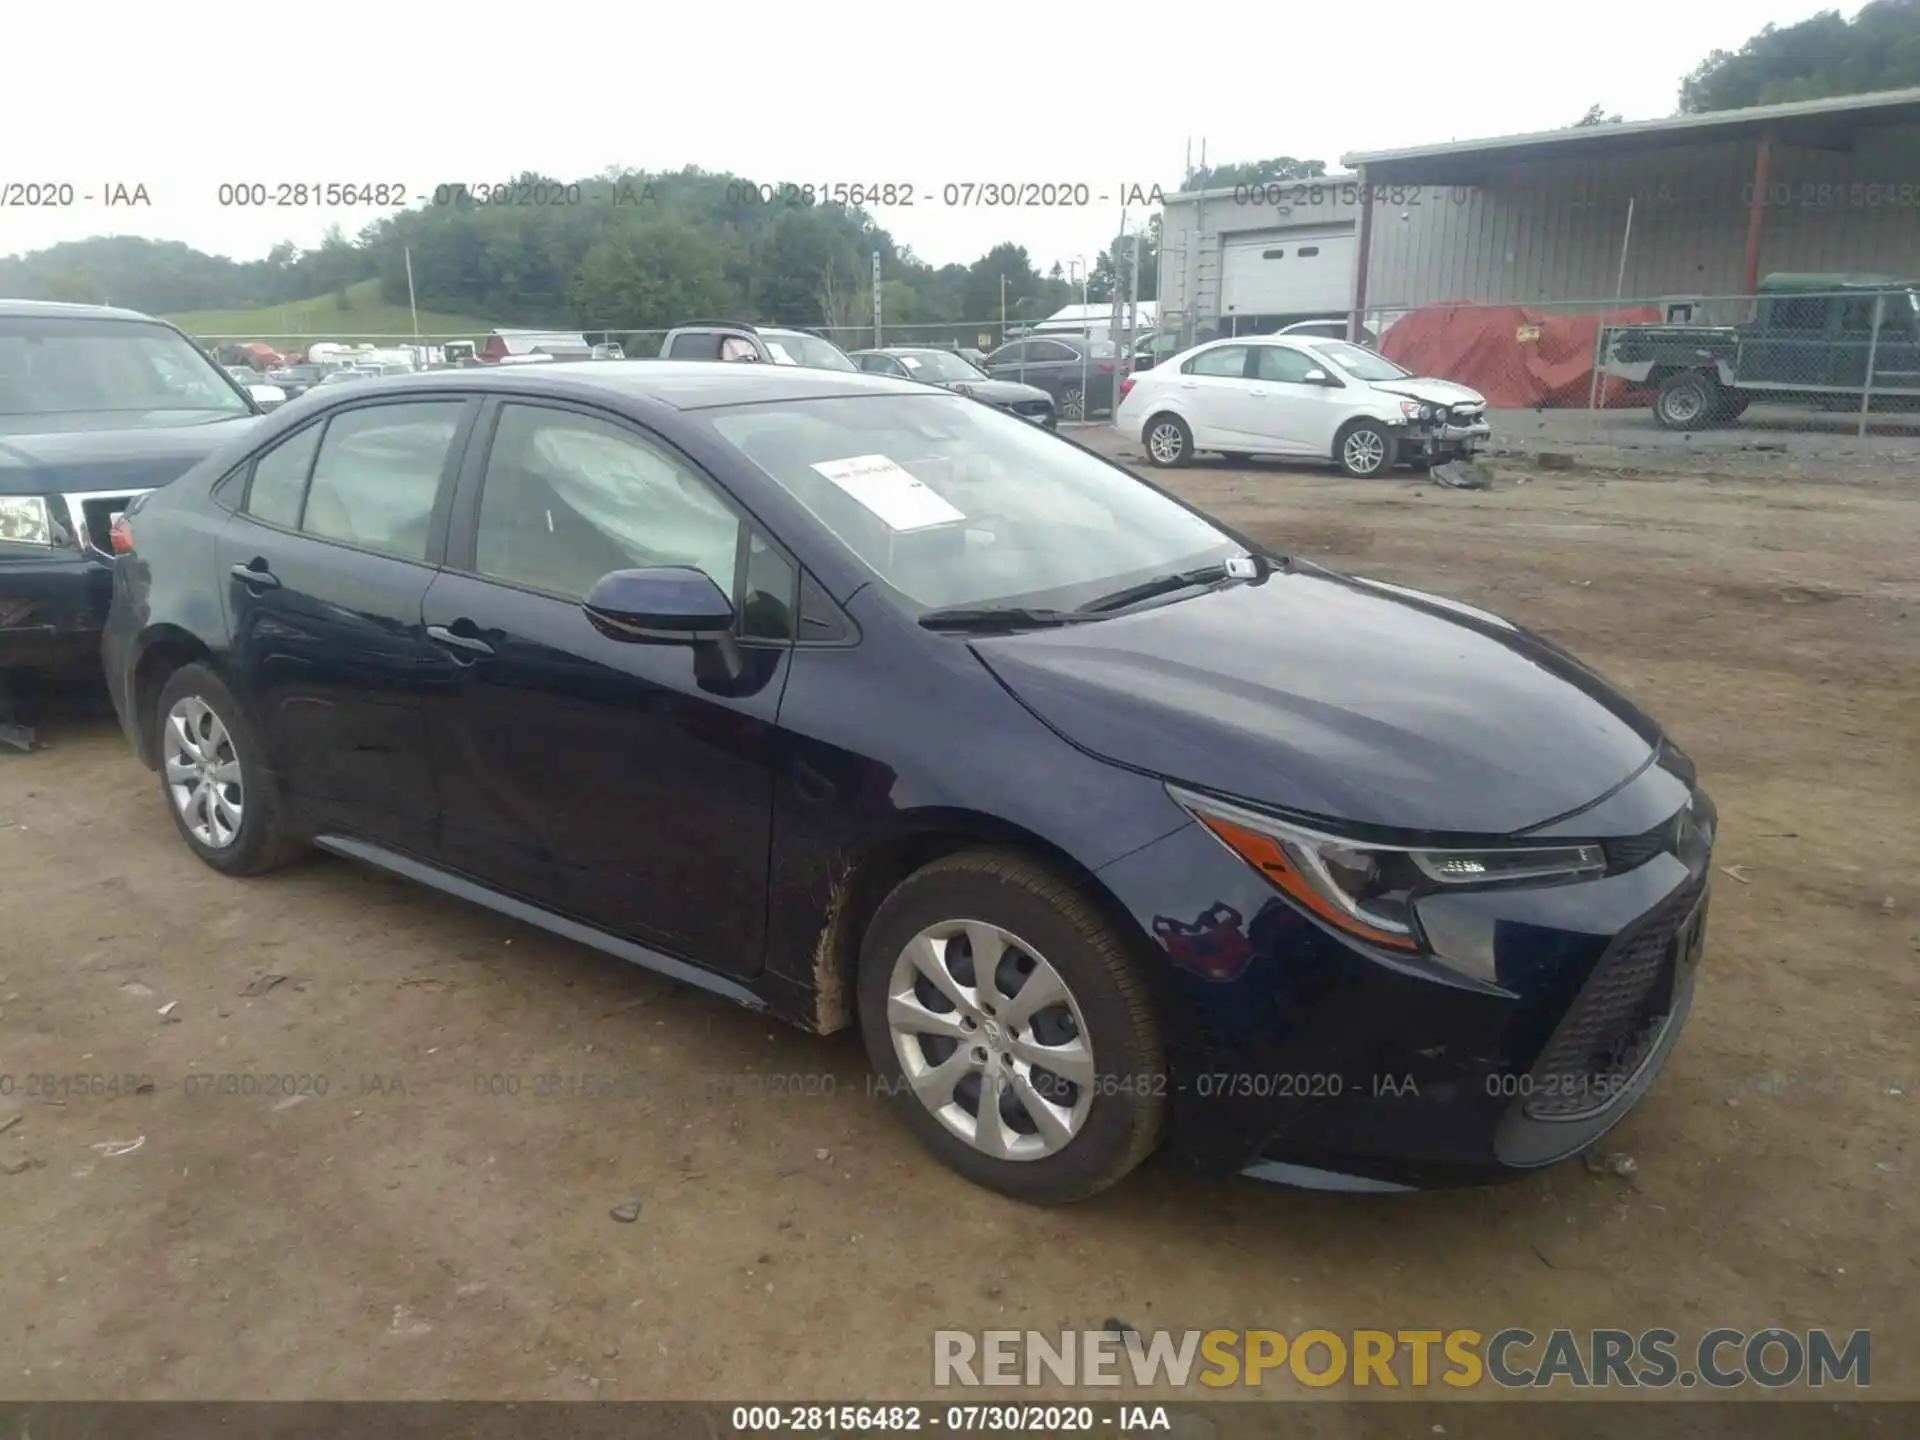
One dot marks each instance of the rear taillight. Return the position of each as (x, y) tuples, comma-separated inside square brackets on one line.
[(122, 536), (1106, 369), (1126, 387)]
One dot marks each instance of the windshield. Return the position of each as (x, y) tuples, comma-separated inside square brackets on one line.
[(1359, 363), (952, 503), (792, 348), (938, 365), (62, 373)]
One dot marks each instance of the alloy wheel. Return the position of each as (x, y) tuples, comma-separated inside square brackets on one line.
[(203, 773), (1165, 442), (1364, 451), (1073, 403), (991, 1040)]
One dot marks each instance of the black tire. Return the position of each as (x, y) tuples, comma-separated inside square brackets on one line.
[(1688, 400), (1353, 453), (1174, 441), (261, 842), (1005, 888)]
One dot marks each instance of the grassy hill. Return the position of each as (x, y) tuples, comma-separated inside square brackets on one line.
[(365, 316)]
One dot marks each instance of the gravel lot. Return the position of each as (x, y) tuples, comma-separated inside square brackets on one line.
[(432, 1225)]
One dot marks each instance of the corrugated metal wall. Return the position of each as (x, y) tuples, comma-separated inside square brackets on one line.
[(1545, 232)]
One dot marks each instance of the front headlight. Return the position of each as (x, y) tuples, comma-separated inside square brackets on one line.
[(25, 520), (1366, 889)]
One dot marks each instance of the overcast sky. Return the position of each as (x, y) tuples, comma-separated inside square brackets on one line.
[(184, 96)]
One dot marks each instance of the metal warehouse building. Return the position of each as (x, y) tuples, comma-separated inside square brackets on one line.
[(1664, 210)]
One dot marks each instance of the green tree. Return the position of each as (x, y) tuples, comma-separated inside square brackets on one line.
[(1596, 115), (1253, 172), (651, 275), (1825, 56)]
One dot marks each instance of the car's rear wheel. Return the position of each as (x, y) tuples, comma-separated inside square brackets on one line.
[(1687, 400), (1168, 441), (222, 799), (1073, 403), (1365, 449), (1012, 1023)]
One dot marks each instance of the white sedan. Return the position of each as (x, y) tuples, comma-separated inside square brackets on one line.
[(1303, 397)]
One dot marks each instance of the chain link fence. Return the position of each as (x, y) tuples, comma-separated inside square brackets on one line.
[(1798, 357)]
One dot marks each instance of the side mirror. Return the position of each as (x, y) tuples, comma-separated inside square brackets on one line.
[(267, 396), (665, 605), (1320, 377)]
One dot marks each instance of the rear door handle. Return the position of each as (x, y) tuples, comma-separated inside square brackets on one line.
[(454, 640), (257, 576)]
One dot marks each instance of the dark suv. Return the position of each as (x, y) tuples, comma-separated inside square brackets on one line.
[(96, 406)]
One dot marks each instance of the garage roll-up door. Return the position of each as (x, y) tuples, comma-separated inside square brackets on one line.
[(1288, 272)]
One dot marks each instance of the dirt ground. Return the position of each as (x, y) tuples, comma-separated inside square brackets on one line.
[(431, 1226)]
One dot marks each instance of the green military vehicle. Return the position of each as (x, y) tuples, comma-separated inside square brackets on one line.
[(1813, 340)]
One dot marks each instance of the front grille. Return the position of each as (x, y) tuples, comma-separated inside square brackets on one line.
[(1033, 409), (1616, 1020), (1636, 850)]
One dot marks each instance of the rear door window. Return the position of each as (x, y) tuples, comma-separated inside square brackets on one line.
[(378, 474), (280, 479)]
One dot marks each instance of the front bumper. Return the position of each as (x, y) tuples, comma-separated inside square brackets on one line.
[(53, 605), (1300, 1055), (1430, 441)]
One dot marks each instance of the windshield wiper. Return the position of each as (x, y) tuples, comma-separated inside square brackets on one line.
[(1236, 567), (1000, 617)]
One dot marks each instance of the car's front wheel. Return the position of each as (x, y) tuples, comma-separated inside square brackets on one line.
[(222, 799), (1012, 1023), (1365, 449), (1168, 441), (1073, 403)]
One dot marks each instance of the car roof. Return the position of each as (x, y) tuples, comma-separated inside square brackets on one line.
[(904, 350), (61, 309), (682, 384)]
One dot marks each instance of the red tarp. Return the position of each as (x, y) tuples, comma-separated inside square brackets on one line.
[(1520, 359)]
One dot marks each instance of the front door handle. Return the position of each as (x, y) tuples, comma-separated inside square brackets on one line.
[(454, 640), (257, 576)]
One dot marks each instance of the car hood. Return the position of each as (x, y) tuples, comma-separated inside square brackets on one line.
[(1337, 698), (1433, 392), (79, 460), (1002, 392)]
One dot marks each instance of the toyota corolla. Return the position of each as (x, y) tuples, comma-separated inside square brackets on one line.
[(859, 703)]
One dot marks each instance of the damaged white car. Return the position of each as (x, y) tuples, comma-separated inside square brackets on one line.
[(1301, 397)]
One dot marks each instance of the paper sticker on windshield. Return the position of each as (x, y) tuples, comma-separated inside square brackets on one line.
[(890, 492), (910, 362), (780, 356)]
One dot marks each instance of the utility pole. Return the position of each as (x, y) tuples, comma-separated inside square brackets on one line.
[(1115, 323), (877, 341), (1133, 300), (408, 252)]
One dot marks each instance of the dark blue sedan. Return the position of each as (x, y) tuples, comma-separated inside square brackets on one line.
[(863, 704)]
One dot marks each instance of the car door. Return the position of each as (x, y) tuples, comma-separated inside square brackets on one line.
[(1208, 392), (1284, 410), (326, 561), (1009, 362), (625, 785)]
